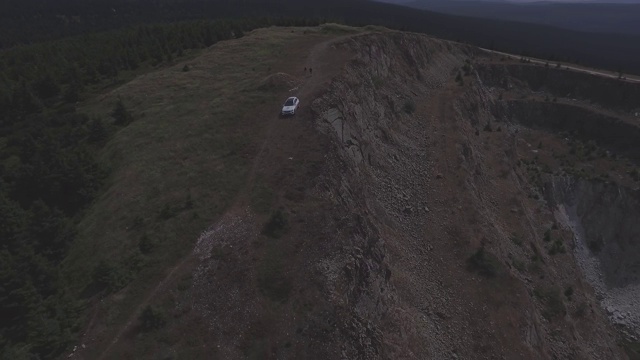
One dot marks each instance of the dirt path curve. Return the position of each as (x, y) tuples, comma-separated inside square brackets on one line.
[(322, 73), (321, 62), (134, 315)]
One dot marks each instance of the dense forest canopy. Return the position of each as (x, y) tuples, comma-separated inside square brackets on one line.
[(601, 17), (37, 20)]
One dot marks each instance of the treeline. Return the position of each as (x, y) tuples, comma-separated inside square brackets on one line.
[(31, 21), (65, 67), (37, 20), (49, 172)]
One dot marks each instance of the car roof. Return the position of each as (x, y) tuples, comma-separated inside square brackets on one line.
[(292, 98)]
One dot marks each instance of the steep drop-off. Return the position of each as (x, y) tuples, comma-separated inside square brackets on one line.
[(435, 161)]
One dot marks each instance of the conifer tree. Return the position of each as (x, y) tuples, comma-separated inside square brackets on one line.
[(120, 114)]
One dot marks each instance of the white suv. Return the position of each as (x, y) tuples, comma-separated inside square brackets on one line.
[(290, 106)]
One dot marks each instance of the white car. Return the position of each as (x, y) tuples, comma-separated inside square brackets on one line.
[(290, 106)]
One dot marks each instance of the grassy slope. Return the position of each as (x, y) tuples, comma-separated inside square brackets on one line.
[(193, 138)]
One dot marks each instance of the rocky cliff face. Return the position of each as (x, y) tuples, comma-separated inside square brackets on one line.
[(604, 220), (452, 253)]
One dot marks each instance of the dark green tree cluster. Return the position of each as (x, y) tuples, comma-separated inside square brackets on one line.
[(151, 319), (48, 174), (41, 74), (30, 21)]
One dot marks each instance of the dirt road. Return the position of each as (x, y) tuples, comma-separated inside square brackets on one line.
[(628, 78)]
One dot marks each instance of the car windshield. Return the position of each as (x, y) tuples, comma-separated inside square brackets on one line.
[(289, 102)]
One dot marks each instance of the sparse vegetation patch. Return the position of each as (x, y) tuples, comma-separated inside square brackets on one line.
[(151, 319), (484, 263), (409, 106), (459, 79), (120, 114), (277, 225), (552, 301), (515, 238), (557, 247)]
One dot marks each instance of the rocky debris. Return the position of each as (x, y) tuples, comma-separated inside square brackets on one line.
[(218, 250), (596, 211), (623, 307)]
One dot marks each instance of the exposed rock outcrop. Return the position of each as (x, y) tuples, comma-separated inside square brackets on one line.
[(604, 219), (414, 166)]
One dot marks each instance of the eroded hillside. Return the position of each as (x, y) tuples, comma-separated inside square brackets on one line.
[(428, 201)]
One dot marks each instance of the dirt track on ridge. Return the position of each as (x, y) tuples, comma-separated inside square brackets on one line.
[(276, 147)]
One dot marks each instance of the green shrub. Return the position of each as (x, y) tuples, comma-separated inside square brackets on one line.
[(377, 81), (146, 245), (557, 247), (276, 226), (484, 263), (151, 319), (581, 309), (596, 245), (516, 239), (536, 257), (98, 132), (120, 114), (552, 301), (519, 265), (188, 203), (409, 106), (459, 79), (185, 282), (168, 211), (568, 292), (467, 68), (110, 276)]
